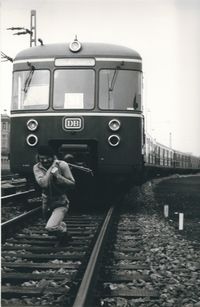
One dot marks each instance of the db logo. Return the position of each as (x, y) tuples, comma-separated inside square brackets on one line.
[(73, 123)]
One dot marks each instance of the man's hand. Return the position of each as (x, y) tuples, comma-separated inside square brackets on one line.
[(54, 170), (55, 163)]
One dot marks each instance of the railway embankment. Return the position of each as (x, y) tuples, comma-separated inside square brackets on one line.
[(173, 252)]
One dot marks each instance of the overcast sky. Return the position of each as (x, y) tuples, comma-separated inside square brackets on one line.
[(165, 32)]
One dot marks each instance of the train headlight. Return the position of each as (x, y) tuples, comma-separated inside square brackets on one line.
[(32, 140), (75, 46), (32, 124), (114, 124), (114, 140)]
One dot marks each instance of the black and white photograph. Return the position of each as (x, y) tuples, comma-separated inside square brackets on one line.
[(100, 153)]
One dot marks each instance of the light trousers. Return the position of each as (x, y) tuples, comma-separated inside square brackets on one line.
[(55, 222)]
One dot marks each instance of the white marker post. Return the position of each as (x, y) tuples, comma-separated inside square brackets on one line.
[(166, 211), (181, 220)]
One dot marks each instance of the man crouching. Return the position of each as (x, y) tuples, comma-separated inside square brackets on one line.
[(55, 178)]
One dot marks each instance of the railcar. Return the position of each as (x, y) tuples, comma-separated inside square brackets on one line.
[(159, 159), (83, 99)]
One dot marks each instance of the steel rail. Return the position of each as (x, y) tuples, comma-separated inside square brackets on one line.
[(83, 291), (6, 226), (16, 195), (20, 217)]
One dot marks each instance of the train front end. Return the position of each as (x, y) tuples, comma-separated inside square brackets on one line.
[(84, 102)]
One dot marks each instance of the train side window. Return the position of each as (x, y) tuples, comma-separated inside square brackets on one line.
[(120, 89), (3, 126), (30, 90)]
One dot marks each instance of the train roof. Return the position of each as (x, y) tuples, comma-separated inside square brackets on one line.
[(87, 50)]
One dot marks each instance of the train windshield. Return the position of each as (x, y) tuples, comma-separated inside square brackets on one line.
[(74, 89), (30, 90), (120, 89)]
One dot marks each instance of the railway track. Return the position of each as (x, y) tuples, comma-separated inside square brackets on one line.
[(107, 263), (17, 196), (125, 272), (13, 185), (18, 203), (9, 176), (36, 272)]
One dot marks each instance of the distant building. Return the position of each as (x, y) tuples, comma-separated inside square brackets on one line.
[(5, 142)]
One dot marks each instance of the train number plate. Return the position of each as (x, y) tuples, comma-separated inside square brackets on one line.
[(73, 123)]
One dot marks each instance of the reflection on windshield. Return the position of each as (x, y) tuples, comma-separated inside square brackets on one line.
[(120, 90), (30, 89), (73, 89)]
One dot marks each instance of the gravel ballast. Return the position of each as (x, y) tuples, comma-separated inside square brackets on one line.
[(173, 256)]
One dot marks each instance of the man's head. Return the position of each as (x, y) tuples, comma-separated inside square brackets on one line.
[(46, 155)]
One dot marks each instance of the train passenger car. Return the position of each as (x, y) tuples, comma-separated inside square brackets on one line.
[(186, 161), (163, 159), (84, 99)]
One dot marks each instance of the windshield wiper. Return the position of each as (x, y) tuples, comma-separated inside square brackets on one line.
[(114, 78), (29, 77), (112, 84)]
